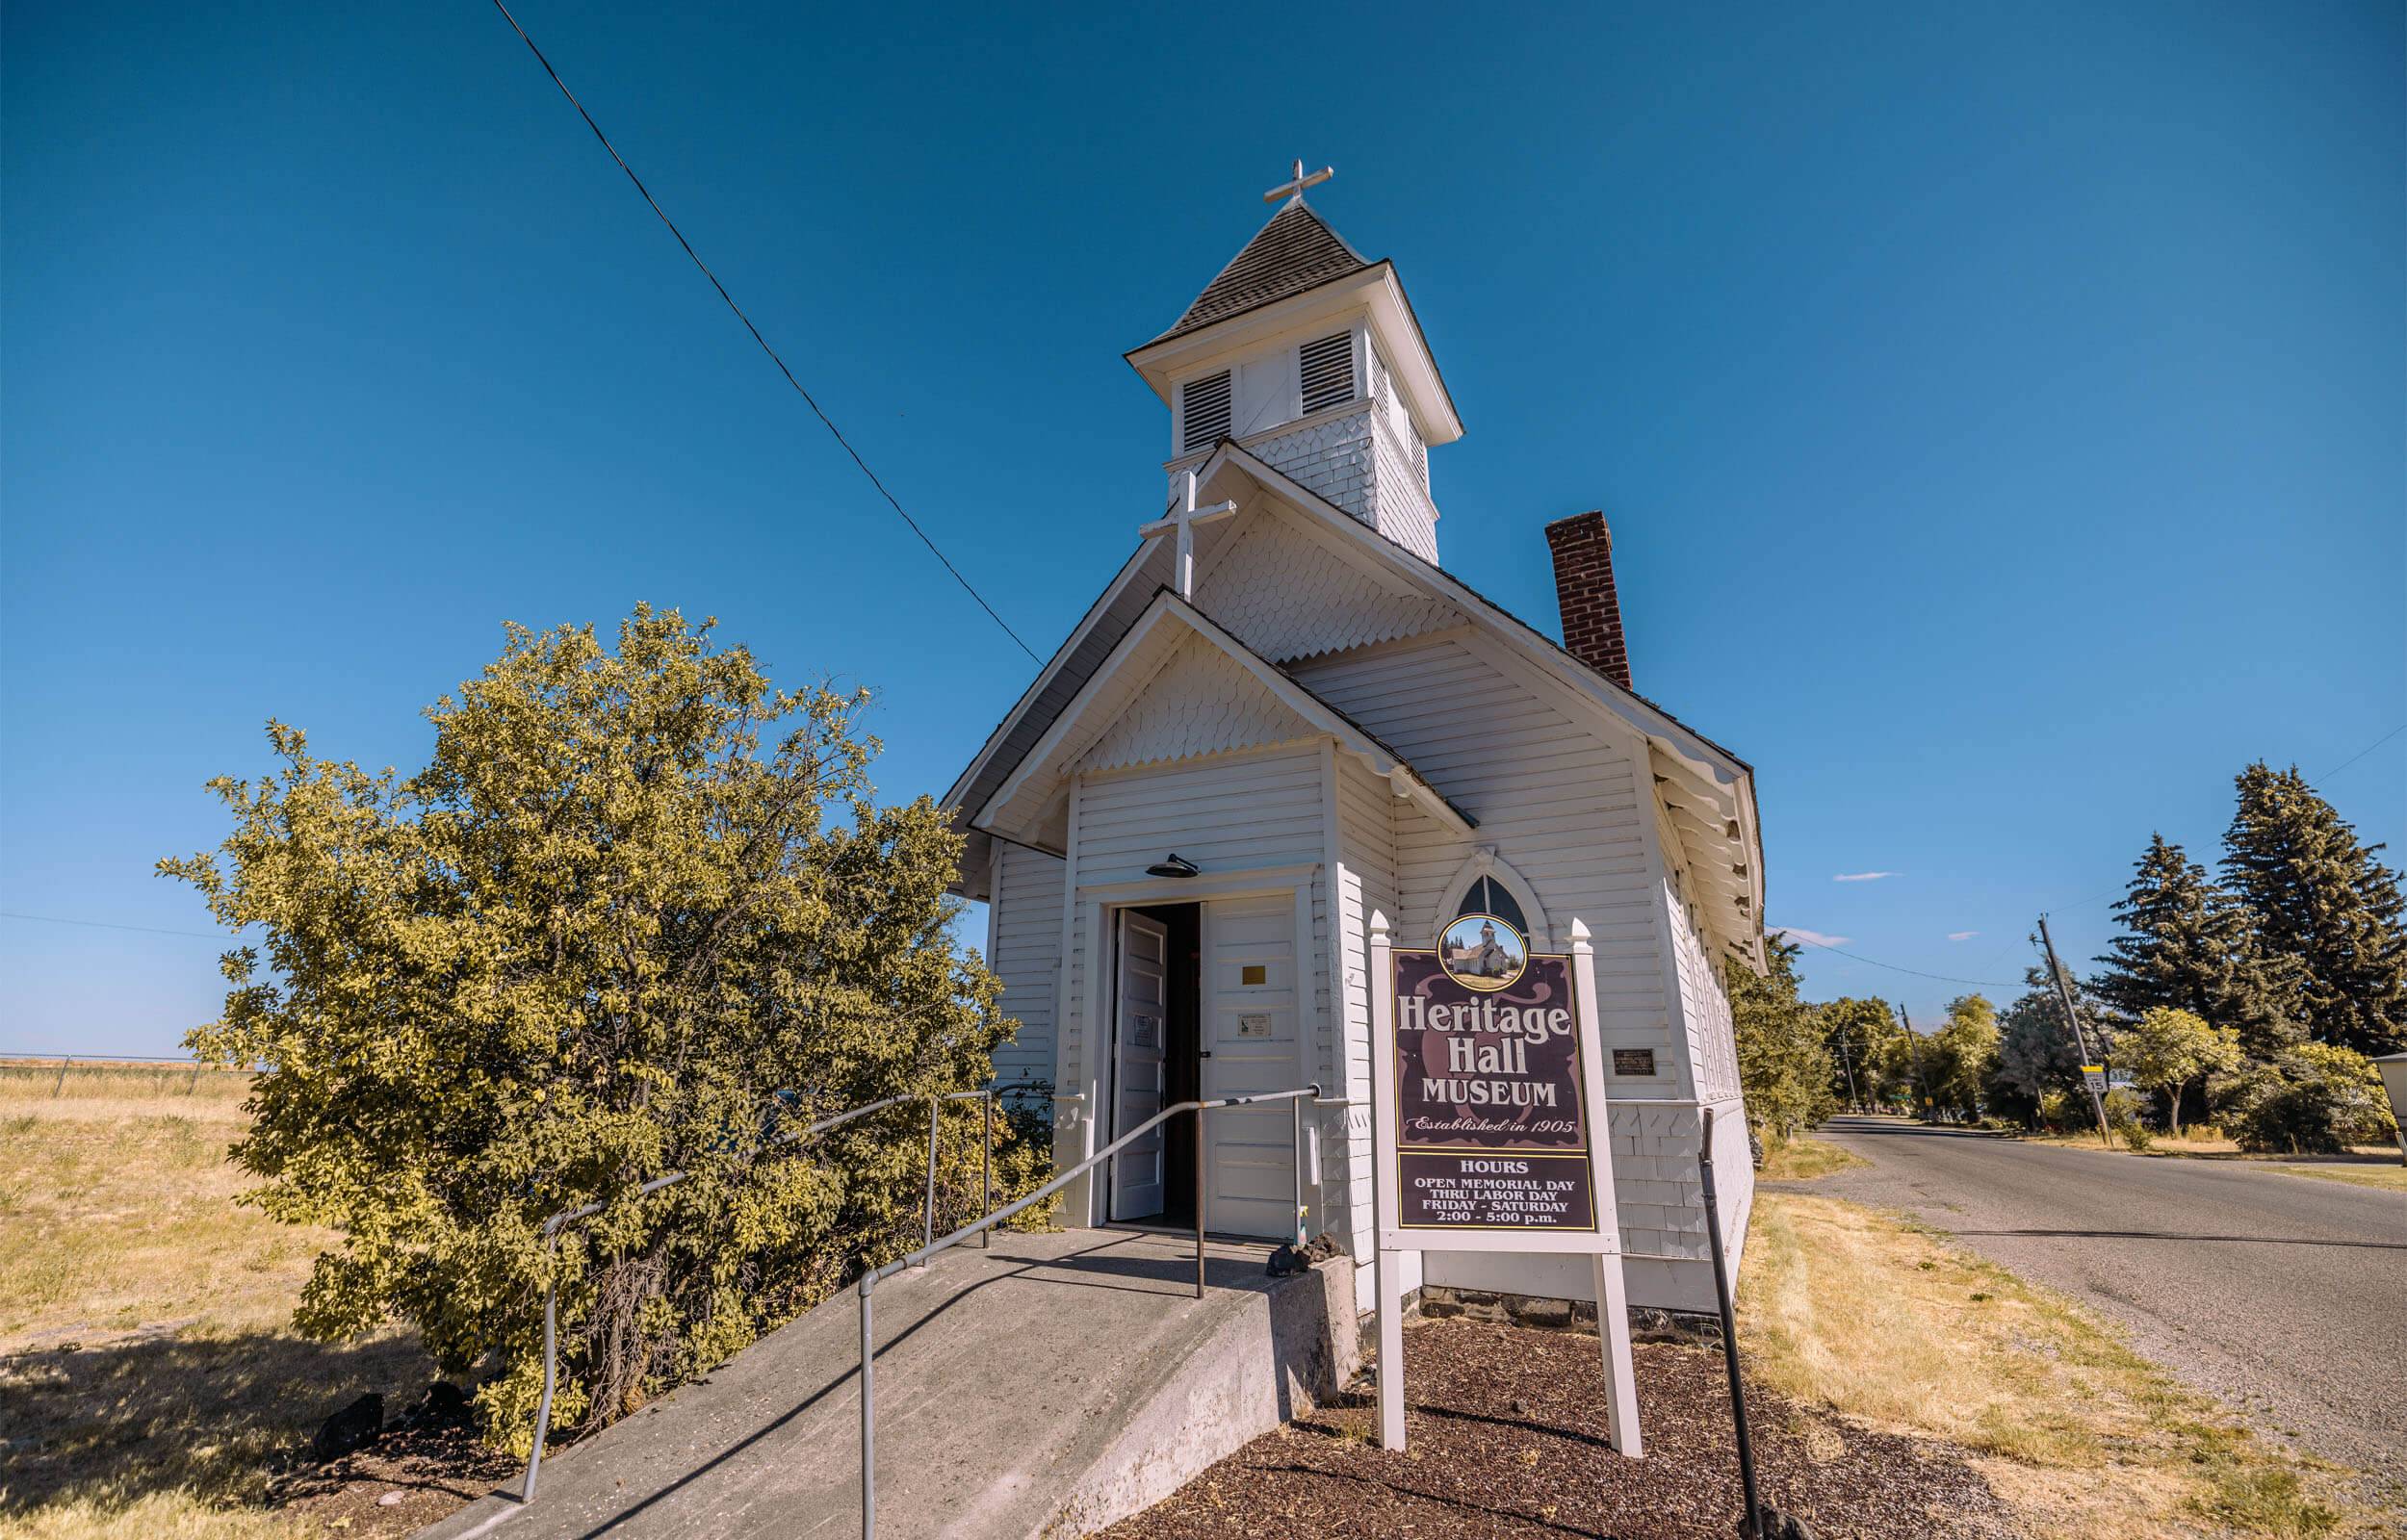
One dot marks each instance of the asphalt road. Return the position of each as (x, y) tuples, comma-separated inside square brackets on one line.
[(2284, 1294)]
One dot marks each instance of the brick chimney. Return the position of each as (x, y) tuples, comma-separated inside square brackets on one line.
[(1592, 611)]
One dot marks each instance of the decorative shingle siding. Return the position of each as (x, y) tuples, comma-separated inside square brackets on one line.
[(1201, 702), (1330, 458), (1279, 590), (1401, 507)]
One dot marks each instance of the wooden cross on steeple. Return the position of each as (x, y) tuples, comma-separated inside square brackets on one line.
[(1295, 186), (1183, 519)]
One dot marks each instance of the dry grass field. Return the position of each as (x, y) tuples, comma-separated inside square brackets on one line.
[(151, 1386), (1905, 1332), (148, 1380), (1803, 1157)]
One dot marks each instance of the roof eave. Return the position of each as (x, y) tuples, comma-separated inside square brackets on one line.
[(1159, 361)]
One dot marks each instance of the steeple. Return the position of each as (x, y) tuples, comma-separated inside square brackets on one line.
[(1307, 354), (1295, 251)]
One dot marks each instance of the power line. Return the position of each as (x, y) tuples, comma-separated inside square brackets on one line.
[(2361, 753), (1944, 978), (110, 925), (807, 400)]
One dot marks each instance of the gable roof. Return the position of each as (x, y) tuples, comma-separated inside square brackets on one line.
[(1706, 790), (1141, 653), (1295, 251)]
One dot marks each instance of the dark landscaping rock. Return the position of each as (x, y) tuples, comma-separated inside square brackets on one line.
[(1287, 1262), (354, 1427)]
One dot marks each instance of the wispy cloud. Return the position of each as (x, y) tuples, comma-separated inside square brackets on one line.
[(1804, 934), (1961, 936), (1862, 877)]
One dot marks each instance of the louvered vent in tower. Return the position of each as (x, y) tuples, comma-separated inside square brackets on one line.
[(1327, 373), (1203, 412)]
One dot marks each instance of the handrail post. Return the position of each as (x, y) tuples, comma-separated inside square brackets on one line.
[(927, 1215), (868, 1412), (1199, 1201), (986, 1167), (551, 1332), (1295, 1142)]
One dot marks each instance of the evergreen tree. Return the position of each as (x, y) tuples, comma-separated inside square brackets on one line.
[(2323, 910), (2188, 946), (2036, 1050)]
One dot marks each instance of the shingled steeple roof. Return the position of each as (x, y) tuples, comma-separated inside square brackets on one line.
[(1293, 252)]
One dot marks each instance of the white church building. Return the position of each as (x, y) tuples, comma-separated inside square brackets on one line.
[(1284, 713)]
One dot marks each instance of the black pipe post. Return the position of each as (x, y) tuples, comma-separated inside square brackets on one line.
[(1729, 1333)]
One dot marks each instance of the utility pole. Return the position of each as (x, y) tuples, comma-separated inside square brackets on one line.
[(1914, 1050), (1848, 1059), (2080, 1040)]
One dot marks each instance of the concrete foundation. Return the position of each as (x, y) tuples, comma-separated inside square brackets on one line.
[(1048, 1388)]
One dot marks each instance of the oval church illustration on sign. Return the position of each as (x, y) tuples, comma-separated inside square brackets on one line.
[(1491, 1129)]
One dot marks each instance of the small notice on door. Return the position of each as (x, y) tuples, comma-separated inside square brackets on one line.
[(1633, 1060), (1147, 1033), (1254, 1026)]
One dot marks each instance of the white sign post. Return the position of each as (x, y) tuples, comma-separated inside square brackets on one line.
[(1508, 1183)]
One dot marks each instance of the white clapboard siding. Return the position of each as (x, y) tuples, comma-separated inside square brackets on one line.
[(1028, 958), (1230, 812), (1287, 591), (1713, 1053), (1560, 804), (1366, 855), (1203, 702)]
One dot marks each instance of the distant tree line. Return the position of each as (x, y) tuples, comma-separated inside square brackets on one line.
[(2257, 998)]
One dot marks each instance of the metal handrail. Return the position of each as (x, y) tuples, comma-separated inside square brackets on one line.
[(552, 1226), (920, 1258)]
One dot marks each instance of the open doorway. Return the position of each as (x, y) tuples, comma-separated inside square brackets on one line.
[(1156, 1060)]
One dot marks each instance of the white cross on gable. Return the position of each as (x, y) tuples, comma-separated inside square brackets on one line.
[(1183, 519), (1294, 187)]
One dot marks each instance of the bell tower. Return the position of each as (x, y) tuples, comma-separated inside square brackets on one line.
[(1307, 355)]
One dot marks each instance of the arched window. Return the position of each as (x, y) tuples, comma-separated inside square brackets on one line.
[(1487, 896), (1484, 885)]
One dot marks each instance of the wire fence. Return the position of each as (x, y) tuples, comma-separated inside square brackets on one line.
[(26, 1072)]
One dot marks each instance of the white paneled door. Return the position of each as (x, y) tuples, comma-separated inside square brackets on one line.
[(1141, 1028), (1249, 1042)]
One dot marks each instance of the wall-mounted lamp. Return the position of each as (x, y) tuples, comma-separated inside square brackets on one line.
[(1174, 864)]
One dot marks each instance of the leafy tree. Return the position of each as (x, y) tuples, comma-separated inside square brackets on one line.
[(2315, 1098), (1961, 1058), (604, 934), (2324, 905), (1785, 1068), (2186, 945), (2169, 1050), (1856, 1034)]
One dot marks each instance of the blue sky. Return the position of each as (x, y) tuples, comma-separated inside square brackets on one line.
[(2002, 411)]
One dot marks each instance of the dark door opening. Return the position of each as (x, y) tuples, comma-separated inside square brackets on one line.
[(1181, 1067)]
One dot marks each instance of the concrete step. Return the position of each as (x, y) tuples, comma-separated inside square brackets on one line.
[(1049, 1386)]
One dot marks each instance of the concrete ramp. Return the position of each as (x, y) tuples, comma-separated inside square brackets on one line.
[(1048, 1387)]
